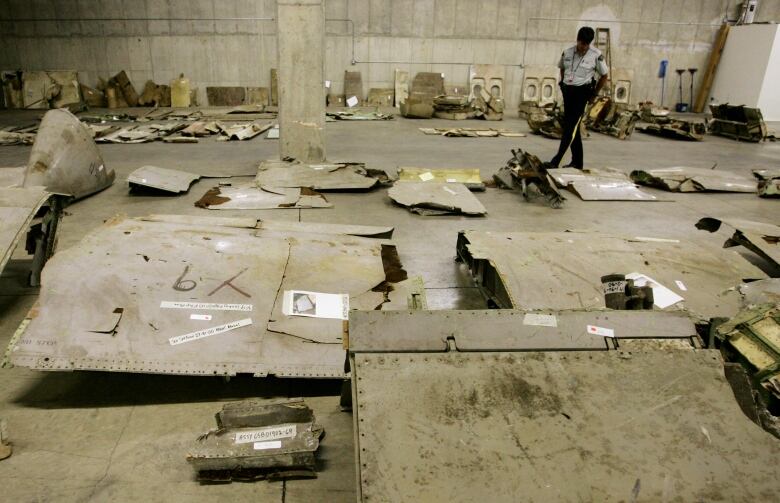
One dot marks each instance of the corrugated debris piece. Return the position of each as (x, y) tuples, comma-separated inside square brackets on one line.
[(328, 176), (469, 177), (685, 179), (614, 119), (467, 132), (737, 122), (768, 182), (203, 296), (755, 334), (600, 185), (259, 440), (758, 237), (563, 270), (436, 198)]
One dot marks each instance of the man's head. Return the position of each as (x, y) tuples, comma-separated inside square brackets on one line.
[(584, 38)]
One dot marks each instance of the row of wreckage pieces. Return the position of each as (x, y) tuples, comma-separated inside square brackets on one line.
[(57, 89)]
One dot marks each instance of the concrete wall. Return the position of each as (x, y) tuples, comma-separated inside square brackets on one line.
[(416, 35)]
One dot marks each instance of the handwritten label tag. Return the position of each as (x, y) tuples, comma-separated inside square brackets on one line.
[(201, 317), (200, 334), (205, 306), (274, 444), (540, 320), (352, 101), (263, 434), (605, 332), (680, 285)]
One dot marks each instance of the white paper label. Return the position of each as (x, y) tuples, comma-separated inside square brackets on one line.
[(662, 296), (205, 306), (540, 320), (275, 444), (352, 101), (316, 304), (606, 332), (681, 285), (327, 84), (208, 332), (263, 434), (449, 190), (451, 180), (426, 176), (202, 317)]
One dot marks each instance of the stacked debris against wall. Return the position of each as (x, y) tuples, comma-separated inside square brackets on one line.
[(425, 87), (737, 122), (41, 89)]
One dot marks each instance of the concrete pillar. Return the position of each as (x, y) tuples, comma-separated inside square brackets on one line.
[(301, 50)]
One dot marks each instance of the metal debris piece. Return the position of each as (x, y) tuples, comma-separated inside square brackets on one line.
[(243, 131), (758, 237), (19, 216), (763, 291), (676, 129), (768, 182), (737, 122), (436, 198), (257, 440), (464, 132), (328, 176), (546, 123), (686, 179), (249, 196), (380, 97), (357, 115), (449, 423), (273, 133), (6, 447), (755, 334), (14, 138), (563, 270), (169, 180), (148, 278), (621, 293), (65, 159), (600, 185), (608, 117), (469, 177), (526, 170)]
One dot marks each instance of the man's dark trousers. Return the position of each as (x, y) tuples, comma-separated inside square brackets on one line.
[(574, 100)]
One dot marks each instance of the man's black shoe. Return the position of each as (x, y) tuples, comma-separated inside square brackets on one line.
[(573, 166)]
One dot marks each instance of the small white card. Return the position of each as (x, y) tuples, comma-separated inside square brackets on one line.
[(662, 296), (680, 285), (451, 180), (426, 176), (352, 101), (604, 332), (274, 444), (202, 317), (540, 320), (316, 304), (327, 84)]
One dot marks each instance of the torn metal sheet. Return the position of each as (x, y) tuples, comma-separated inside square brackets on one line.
[(436, 198), (472, 132), (566, 425), (330, 176), (169, 180), (251, 197), (243, 131), (12, 177), (758, 237), (764, 291), (65, 159), (156, 274), (357, 115), (469, 177), (14, 138), (686, 179), (676, 130), (563, 270), (526, 170), (600, 185), (737, 122), (547, 122), (612, 118), (18, 207), (768, 182), (101, 130), (256, 439)]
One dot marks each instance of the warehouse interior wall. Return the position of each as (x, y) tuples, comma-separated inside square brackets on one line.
[(371, 36)]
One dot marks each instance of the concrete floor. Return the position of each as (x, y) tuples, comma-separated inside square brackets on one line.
[(121, 437)]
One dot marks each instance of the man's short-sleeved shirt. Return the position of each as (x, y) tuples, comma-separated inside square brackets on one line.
[(580, 70)]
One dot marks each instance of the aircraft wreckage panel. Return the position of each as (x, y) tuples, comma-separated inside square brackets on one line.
[(556, 426), (18, 207), (181, 298), (563, 270)]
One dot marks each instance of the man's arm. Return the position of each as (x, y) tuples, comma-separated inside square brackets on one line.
[(599, 85)]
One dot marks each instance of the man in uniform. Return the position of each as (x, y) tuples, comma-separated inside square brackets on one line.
[(579, 66)]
